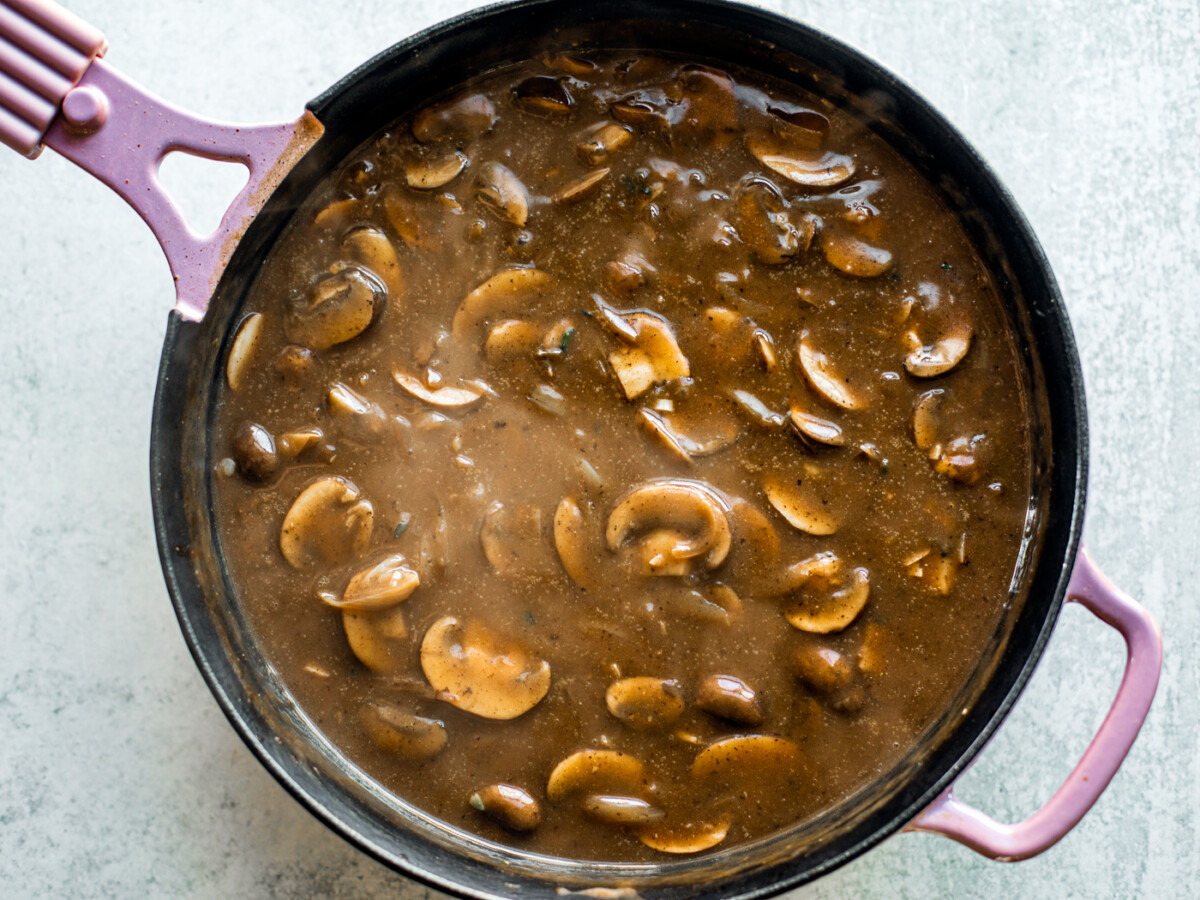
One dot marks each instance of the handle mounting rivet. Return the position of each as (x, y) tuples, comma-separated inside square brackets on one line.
[(85, 109)]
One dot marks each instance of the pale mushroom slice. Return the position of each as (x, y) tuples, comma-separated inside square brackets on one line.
[(377, 638), (855, 257), (506, 295), (512, 540), (627, 812), (806, 167), (925, 422), (339, 307), (816, 429), (684, 447), (936, 570), (399, 731), (799, 507), (464, 117), (357, 417), (743, 755), (825, 380), (241, 351), (581, 187), (448, 397), (718, 604), (510, 338), (569, 541), (596, 772), (938, 358), (502, 193), (328, 522), (371, 248), (545, 96), (480, 671), (431, 173), (687, 837), (602, 142), (644, 702), (377, 587), (826, 599), (652, 356), (676, 523)]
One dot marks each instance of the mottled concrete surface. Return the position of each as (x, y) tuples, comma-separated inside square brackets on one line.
[(118, 775)]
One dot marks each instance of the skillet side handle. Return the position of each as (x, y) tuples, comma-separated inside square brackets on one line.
[(60, 94), (955, 819)]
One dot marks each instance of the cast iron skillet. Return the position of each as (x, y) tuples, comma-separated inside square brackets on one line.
[(114, 129)]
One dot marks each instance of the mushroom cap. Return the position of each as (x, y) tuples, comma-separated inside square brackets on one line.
[(372, 248), (569, 541), (462, 117), (506, 295), (241, 351), (741, 756), (938, 358), (686, 837), (502, 193), (855, 257), (376, 638), (337, 308), (431, 173), (329, 522), (802, 511), (615, 809), (645, 702), (447, 397), (820, 373), (377, 587), (814, 428), (399, 731), (480, 671), (596, 772), (803, 166), (651, 356), (828, 601), (682, 520)]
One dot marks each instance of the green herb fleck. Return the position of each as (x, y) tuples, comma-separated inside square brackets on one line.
[(529, 619), (405, 521), (566, 338), (947, 267)]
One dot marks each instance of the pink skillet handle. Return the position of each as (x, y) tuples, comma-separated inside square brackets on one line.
[(56, 91), (955, 819)]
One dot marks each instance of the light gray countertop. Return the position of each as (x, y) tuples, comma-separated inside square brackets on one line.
[(119, 776)]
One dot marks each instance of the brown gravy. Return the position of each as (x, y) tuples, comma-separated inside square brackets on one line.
[(619, 460)]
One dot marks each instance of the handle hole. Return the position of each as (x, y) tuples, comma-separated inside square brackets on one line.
[(201, 188)]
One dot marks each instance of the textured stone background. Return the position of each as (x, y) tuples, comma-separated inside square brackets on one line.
[(118, 775)]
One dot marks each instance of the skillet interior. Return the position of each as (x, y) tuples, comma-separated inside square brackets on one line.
[(251, 693)]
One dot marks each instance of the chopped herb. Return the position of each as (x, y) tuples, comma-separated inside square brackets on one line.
[(566, 338), (529, 618), (405, 521), (499, 423), (947, 267), (588, 313)]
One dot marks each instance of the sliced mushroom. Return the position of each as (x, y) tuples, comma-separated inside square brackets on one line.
[(806, 167), (512, 540), (329, 522), (728, 697), (254, 452), (431, 173), (961, 459), (465, 117), (939, 357), (511, 806), (509, 338), (356, 416), (502, 193), (853, 256), (820, 373), (614, 809), (758, 411), (602, 142), (371, 248), (569, 541), (798, 125), (925, 420), (399, 731), (765, 224), (756, 538), (543, 95), (764, 346), (377, 587), (873, 651), (505, 295), (337, 308), (645, 702), (241, 351), (708, 107), (680, 444), (377, 637), (652, 356), (686, 837), (814, 428), (675, 522), (295, 364), (935, 569), (596, 772), (447, 397), (802, 510), (338, 213), (718, 604), (480, 671), (580, 187), (823, 669), (744, 755), (825, 598)]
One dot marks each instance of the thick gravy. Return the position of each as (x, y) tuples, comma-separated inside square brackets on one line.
[(621, 460)]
